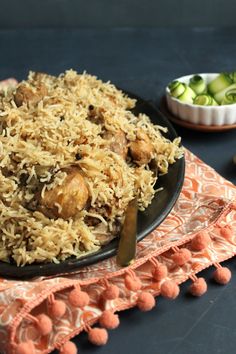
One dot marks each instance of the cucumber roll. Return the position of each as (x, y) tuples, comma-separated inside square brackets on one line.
[(219, 83), (227, 93), (233, 76), (197, 84), (230, 97), (188, 95), (205, 100), (176, 88)]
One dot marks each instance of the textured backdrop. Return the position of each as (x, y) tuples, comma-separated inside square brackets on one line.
[(74, 13)]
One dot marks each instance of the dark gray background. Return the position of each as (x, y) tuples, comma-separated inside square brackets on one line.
[(74, 13), (143, 61)]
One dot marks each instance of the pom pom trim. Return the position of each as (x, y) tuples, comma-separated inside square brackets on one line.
[(222, 275), (68, 348), (109, 320), (198, 287), (181, 256), (132, 282), (97, 336), (118, 308), (145, 301)]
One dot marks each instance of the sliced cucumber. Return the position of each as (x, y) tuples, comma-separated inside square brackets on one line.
[(226, 101), (197, 84), (221, 90), (219, 83), (224, 93), (233, 76), (176, 88), (188, 95), (230, 97), (205, 100), (231, 94), (173, 85)]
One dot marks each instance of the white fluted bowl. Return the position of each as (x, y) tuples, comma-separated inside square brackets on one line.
[(205, 115)]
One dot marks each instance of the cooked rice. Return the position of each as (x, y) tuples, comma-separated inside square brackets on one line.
[(37, 140)]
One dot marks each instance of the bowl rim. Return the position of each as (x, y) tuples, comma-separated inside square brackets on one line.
[(229, 106)]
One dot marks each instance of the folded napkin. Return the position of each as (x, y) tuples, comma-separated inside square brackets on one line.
[(44, 313)]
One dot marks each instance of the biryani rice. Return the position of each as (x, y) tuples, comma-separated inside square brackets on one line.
[(40, 138)]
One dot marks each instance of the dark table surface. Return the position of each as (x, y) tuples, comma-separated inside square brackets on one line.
[(143, 61)]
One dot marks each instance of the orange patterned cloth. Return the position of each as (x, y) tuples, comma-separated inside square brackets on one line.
[(206, 207)]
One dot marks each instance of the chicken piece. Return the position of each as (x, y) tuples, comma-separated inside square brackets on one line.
[(66, 200), (118, 142), (27, 94), (141, 149), (104, 235)]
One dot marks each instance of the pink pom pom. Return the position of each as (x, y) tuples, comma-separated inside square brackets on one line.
[(98, 336), (222, 275), (78, 298), (44, 324), (200, 241), (160, 272), (199, 287), (182, 256), (109, 320), (111, 292), (233, 205), (145, 301), (25, 348), (57, 309), (68, 348), (226, 232), (132, 283), (169, 289)]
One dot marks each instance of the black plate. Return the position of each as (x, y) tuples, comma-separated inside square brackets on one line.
[(148, 220)]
